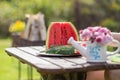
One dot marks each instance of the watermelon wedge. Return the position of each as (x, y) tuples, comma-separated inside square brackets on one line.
[(59, 32)]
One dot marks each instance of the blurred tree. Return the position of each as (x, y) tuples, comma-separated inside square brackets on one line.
[(86, 14), (111, 24), (82, 13), (111, 9), (16, 9)]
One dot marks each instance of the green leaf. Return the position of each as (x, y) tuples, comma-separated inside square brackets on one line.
[(66, 49)]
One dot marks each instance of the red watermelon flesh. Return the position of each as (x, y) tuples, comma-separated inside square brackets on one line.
[(59, 33)]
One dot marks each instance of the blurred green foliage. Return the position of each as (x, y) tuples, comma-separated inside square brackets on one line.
[(110, 23), (81, 13)]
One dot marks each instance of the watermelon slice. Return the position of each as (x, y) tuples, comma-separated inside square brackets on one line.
[(59, 32)]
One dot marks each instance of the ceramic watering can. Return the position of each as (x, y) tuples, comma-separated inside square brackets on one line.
[(94, 52)]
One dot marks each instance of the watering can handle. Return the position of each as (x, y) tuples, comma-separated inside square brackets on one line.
[(114, 43)]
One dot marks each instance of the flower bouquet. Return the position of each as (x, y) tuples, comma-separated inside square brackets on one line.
[(96, 40), (17, 27), (97, 34)]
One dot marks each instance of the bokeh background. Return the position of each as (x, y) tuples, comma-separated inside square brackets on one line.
[(82, 13)]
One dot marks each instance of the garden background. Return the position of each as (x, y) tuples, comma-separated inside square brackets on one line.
[(82, 13)]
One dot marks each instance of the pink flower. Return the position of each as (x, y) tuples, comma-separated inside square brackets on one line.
[(96, 28), (90, 28), (108, 38), (81, 31), (99, 39), (96, 34), (86, 34)]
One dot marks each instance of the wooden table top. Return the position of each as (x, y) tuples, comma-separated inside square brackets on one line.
[(30, 55)]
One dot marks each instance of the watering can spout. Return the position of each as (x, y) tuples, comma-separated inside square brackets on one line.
[(81, 49)]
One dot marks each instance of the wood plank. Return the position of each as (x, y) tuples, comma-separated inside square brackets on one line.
[(93, 66), (76, 60), (37, 62), (39, 48), (71, 62), (36, 50), (57, 64), (76, 64), (61, 63), (29, 50), (64, 64)]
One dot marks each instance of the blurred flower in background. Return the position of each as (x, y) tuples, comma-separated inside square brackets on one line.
[(18, 26)]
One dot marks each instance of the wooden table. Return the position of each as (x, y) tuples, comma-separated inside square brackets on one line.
[(17, 41), (57, 68)]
